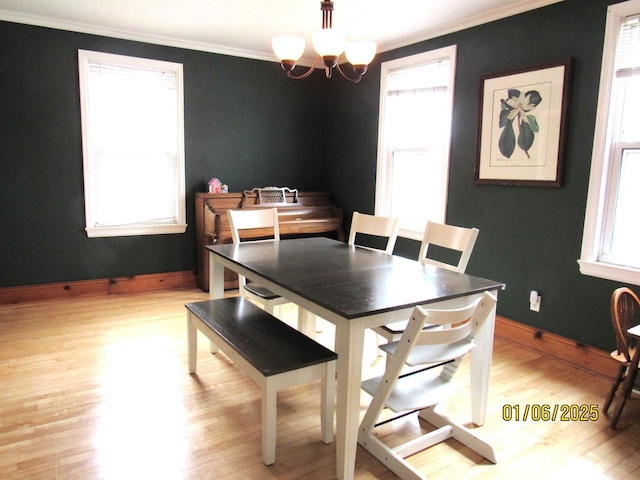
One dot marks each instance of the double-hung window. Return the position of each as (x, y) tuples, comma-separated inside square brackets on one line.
[(133, 145), (416, 102), (611, 245)]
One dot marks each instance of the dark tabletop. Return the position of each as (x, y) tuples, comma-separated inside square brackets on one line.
[(350, 281)]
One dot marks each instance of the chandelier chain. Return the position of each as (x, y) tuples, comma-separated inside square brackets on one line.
[(327, 13)]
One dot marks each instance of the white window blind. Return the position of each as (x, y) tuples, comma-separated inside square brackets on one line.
[(415, 130), (133, 145), (628, 54)]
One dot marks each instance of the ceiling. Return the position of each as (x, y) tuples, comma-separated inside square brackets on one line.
[(244, 27)]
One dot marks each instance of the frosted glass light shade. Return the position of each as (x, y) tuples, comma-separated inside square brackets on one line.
[(288, 47), (360, 53), (329, 42)]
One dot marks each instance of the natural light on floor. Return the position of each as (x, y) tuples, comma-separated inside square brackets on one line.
[(141, 428)]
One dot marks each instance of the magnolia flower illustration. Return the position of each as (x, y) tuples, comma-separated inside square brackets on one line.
[(518, 105)]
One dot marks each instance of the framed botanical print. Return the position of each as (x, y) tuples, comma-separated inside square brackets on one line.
[(521, 126)]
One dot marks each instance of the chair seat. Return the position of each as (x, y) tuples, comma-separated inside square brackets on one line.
[(413, 392), (260, 291), (619, 357), (430, 354)]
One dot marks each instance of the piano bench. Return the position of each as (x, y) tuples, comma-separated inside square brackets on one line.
[(270, 352)]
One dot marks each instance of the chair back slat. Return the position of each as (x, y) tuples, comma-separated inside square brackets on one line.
[(263, 218), (459, 323), (460, 239), (386, 227), (264, 223), (433, 336)]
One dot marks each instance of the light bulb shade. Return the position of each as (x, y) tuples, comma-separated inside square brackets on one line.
[(288, 47), (329, 42), (360, 53)]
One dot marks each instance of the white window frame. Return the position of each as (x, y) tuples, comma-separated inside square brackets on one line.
[(600, 195), (173, 226), (384, 155)]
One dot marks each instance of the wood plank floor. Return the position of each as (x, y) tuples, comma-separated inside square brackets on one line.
[(98, 388)]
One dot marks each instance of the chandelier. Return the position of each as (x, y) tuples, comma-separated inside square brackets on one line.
[(329, 44)]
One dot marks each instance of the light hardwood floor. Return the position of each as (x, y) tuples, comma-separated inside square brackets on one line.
[(98, 388)]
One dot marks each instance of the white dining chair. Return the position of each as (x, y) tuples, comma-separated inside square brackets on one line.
[(435, 355), (459, 239), (456, 241), (263, 223), (375, 226)]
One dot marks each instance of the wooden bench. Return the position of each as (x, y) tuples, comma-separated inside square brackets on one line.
[(273, 354)]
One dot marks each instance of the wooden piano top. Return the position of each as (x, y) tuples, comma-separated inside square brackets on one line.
[(312, 213), (237, 200)]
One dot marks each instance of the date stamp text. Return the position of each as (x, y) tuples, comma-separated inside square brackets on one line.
[(550, 413)]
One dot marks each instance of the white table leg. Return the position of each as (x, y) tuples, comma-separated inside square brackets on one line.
[(216, 278), (481, 369), (192, 344), (349, 347)]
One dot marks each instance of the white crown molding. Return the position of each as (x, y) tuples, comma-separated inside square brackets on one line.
[(498, 14), (129, 35), (514, 9)]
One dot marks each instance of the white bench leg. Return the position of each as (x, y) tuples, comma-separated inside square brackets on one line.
[(192, 344), (328, 387), (269, 411), (270, 386)]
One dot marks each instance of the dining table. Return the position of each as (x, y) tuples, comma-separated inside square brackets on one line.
[(357, 288)]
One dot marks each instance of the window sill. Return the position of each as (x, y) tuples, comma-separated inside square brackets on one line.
[(610, 272), (127, 231)]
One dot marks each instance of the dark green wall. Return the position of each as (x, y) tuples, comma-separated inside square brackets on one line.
[(245, 123), (249, 125), (530, 238)]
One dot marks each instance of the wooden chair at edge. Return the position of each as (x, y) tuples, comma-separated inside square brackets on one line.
[(625, 313)]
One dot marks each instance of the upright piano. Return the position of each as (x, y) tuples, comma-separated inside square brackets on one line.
[(300, 214)]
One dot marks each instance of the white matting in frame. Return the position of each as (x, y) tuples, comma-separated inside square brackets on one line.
[(521, 126)]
